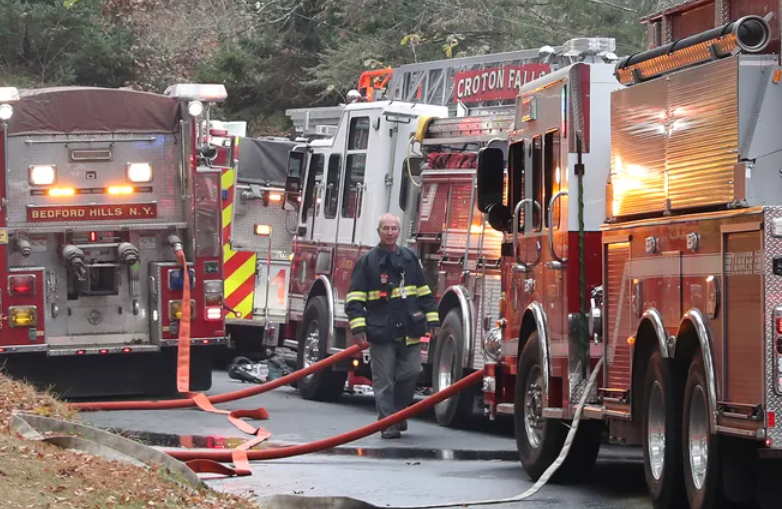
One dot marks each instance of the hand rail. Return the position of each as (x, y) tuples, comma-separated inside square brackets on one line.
[(551, 226)]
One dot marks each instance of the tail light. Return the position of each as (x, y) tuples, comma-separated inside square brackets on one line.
[(213, 300), (176, 280), (21, 286), (175, 310), (23, 316)]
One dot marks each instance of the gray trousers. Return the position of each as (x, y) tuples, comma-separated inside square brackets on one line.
[(395, 370)]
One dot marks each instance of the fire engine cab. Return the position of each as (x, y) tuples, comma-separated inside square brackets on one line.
[(101, 188), (668, 274)]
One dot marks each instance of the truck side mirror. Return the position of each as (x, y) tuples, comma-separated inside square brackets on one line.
[(491, 177), (293, 179)]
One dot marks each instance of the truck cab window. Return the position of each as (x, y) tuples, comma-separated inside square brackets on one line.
[(553, 177), (332, 187), (517, 160), (358, 138), (404, 187), (351, 198), (314, 177), (537, 182)]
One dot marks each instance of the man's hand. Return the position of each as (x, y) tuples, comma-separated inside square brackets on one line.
[(361, 337), (434, 331)]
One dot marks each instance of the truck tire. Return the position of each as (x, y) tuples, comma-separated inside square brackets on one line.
[(538, 440), (662, 410), (701, 448), (327, 384), (447, 369)]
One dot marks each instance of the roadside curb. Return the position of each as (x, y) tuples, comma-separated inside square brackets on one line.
[(72, 435)]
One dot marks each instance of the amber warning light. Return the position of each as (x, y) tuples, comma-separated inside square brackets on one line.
[(264, 230)]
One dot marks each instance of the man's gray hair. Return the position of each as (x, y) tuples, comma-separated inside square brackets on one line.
[(388, 217)]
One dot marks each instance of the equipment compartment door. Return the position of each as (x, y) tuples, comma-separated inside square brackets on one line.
[(743, 317)]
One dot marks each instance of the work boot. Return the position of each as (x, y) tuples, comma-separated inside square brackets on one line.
[(391, 432), (402, 425)]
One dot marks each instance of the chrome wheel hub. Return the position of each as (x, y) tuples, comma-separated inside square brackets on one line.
[(698, 437), (533, 407), (656, 431), (311, 345)]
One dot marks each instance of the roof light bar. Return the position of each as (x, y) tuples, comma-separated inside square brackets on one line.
[(9, 94), (206, 92)]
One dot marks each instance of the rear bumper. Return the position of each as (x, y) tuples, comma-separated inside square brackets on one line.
[(107, 349)]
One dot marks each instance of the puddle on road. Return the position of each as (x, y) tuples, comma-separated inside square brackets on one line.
[(401, 453)]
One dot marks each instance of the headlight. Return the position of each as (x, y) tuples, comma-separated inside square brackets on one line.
[(42, 175), (195, 108), (6, 111), (139, 172), (492, 344)]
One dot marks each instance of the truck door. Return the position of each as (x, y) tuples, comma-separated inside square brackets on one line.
[(554, 266), (352, 213)]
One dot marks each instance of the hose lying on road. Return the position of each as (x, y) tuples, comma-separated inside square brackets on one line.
[(299, 502), (328, 443), (222, 398)]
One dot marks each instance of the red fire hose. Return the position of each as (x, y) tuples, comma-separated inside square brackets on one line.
[(222, 398), (201, 461)]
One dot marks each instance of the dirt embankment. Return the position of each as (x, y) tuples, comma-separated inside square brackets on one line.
[(38, 475)]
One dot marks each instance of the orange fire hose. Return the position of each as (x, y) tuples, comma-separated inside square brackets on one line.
[(183, 348), (204, 461), (222, 398)]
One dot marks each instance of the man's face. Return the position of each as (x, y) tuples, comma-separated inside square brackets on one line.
[(388, 231)]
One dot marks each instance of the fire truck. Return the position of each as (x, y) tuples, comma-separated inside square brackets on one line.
[(101, 189), (424, 170), (641, 227), (259, 221)]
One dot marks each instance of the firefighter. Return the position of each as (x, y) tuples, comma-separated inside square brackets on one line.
[(390, 305)]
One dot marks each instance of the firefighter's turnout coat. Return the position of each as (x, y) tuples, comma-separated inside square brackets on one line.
[(389, 298)]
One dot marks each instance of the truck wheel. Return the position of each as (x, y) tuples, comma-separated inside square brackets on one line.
[(701, 448), (662, 433), (447, 369), (538, 440), (327, 384)]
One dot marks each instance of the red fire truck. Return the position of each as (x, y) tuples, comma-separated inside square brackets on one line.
[(259, 224), (669, 273), (426, 174), (100, 189)]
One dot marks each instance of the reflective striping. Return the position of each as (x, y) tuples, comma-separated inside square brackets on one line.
[(374, 295), (358, 322), (412, 341), (228, 253), (423, 291), (356, 296), (228, 211), (227, 179), (433, 316), (246, 306), (241, 274), (238, 266)]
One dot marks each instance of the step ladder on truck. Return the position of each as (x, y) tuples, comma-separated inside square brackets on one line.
[(666, 276)]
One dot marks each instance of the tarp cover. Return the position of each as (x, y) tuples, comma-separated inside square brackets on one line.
[(263, 162), (89, 110)]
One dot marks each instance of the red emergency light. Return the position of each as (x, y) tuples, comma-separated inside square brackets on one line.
[(93, 236), (21, 286), (103, 351), (126, 350)]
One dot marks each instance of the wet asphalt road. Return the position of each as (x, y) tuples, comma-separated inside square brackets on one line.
[(430, 464)]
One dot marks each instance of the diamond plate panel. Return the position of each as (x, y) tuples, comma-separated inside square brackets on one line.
[(773, 293), (160, 151), (487, 299), (248, 213)]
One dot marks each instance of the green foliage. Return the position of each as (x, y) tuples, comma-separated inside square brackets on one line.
[(45, 43), (279, 54)]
